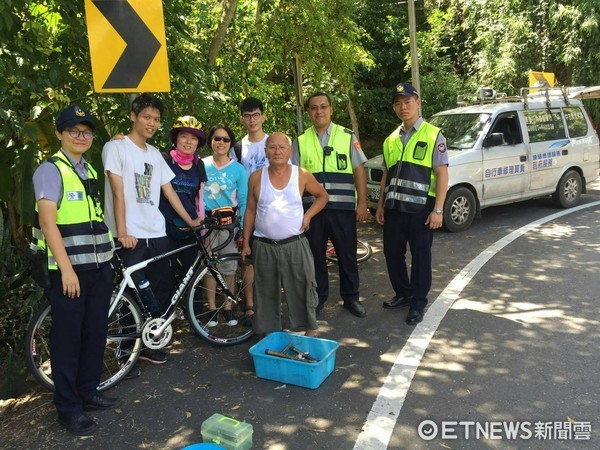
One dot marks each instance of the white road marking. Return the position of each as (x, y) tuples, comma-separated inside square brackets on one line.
[(379, 426)]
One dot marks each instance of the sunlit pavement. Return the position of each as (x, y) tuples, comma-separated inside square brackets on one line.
[(514, 361)]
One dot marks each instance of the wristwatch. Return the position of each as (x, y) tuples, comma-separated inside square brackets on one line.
[(439, 212)]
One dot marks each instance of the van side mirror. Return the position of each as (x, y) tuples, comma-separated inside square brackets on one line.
[(494, 140)]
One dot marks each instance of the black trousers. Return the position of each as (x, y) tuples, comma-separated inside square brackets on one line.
[(400, 229), (340, 227), (78, 337), (182, 261), (159, 273)]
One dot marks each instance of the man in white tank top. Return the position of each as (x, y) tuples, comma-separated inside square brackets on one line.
[(280, 252)]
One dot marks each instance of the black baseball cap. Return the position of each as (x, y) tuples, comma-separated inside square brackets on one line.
[(405, 89), (72, 116)]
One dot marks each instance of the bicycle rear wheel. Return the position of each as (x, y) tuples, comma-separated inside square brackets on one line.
[(37, 347), (199, 314), (363, 252), (123, 344)]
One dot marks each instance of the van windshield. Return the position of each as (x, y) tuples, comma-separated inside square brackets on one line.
[(460, 130)]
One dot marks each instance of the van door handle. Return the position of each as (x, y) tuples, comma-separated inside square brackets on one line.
[(565, 152), (523, 158)]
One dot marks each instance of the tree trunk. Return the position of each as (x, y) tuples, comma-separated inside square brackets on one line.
[(259, 5), (229, 9), (353, 118)]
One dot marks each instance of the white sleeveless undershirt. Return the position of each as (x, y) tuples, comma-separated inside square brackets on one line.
[(279, 212)]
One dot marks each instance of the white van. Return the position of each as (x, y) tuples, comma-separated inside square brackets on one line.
[(507, 149)]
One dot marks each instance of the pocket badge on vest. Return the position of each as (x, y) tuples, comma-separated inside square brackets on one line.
[(420, 150), (342, 161), (74, 196)]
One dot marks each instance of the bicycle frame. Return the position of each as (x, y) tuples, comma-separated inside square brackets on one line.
[(204, 256)]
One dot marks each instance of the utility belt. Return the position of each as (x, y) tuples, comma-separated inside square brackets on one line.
[(279, 241)]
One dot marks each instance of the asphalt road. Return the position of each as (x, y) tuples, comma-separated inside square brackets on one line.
[(511, 338)]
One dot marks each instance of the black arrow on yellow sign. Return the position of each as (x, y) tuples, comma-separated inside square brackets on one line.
[(142, 45)]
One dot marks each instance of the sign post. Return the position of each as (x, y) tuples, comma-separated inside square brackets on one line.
[(128, 46)]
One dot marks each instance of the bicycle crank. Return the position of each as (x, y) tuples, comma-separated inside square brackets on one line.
[(149, 337)]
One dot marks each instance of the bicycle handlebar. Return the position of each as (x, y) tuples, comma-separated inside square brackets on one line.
[(208, 225), (211, 224)]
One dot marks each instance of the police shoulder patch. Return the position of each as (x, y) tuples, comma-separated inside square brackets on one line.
[(441, 147), (357, 146)]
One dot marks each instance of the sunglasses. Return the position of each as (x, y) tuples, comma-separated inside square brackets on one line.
[(221, 138)]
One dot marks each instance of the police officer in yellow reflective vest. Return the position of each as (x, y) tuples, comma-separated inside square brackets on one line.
[(69, 226), (334, 156), (411, 201)]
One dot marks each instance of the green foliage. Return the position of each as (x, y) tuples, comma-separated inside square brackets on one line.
[(19, 295), (355, 50)]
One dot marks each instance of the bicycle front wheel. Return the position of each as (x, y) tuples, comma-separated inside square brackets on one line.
[(123, 344), (218, 326)]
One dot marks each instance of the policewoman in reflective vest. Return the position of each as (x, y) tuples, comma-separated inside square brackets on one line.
[(69, 226), (334, 156), (411, 201)]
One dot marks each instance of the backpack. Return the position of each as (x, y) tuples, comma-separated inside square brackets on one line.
[(237, 148)]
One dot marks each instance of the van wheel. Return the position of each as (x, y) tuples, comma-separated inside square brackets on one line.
[(568, 190), (459, 209)]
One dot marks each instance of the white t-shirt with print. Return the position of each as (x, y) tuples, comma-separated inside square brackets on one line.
[(143, 173), (253, 154)]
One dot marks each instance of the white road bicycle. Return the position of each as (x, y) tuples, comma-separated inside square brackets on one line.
[(131, 328)]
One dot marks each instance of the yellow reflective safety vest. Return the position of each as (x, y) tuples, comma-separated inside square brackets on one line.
[(410, 178), (79, 218), (332, 167)]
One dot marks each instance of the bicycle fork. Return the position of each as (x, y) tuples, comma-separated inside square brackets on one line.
[(221, 281)]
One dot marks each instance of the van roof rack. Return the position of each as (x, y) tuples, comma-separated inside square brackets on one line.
[(484, 96), (487, 95), (549, 93)]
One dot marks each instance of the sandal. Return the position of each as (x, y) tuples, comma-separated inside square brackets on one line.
[(247, 320)]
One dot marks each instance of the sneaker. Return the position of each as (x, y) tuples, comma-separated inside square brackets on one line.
[(228, 317), (153, 356), (133, 373), (213, 322)]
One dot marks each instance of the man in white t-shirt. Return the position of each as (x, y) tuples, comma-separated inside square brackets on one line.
[(250, 152), (136, 174)]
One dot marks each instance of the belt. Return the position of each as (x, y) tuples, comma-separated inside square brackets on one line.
[(280, 241)]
